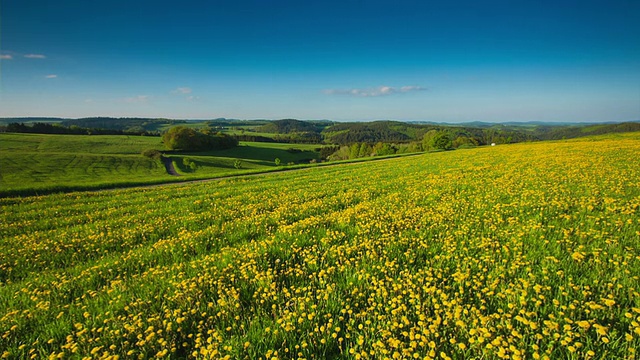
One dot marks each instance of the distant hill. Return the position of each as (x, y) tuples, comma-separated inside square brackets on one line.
[(125, 124), (29, 120), (222, 122), (287, 126), (573, 131), (399, 132), (368, 132), (329, 132)]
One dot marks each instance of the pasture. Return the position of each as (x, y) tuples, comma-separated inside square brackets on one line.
[(38, 163)]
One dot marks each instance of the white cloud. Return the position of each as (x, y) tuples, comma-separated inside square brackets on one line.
[(6, 57), (52, 76), (187, 92), (182, 90), (140, 99), (405, 89), (35, 56), (377, 91)]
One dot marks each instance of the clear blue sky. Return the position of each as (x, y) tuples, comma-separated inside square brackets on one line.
[(447, 61)]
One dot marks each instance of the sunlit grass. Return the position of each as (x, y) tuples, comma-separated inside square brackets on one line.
[(37, 163), (518, 251)]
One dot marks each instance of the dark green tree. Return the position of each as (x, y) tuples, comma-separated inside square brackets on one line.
[(188, 139), (441, 141)]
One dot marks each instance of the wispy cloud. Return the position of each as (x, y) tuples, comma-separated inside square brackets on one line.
[(187, 92), (140, 99), (376, 91), (182, 90), (52, 76), (35, 56), (6, 57)]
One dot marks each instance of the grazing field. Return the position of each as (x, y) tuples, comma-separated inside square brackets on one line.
[(44, 163), (252, 156), (519, 251)]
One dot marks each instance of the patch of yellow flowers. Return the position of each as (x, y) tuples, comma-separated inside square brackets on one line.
[(509, 252)]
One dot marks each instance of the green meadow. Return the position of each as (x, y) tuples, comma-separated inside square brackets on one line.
[(524, 251), (38, 163)]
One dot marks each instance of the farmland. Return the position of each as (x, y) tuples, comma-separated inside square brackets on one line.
[(37, 163), (517, 251)]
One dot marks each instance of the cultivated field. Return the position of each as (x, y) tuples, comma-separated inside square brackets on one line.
[(519, 251)]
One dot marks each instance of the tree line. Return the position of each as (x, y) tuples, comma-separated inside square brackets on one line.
[(188, 139), (49, 128)]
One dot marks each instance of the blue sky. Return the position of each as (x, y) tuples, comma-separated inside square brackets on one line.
[(449, 61)]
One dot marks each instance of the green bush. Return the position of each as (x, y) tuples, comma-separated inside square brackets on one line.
[(152, 154), (188, 139), (437, 140), (189, 164)]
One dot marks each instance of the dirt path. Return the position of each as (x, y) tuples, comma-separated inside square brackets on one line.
[(168, 164)]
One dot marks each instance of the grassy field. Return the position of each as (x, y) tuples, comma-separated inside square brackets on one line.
[(253, 156), (515, 251), (45, 163)]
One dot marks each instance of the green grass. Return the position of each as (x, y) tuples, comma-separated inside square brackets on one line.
[(532, 248), (35, 163), (266, 152), (95, 144), (41, 163)]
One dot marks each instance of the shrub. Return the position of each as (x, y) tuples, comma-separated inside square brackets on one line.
[(437, 140), (189, 164), (152, 154), (327, 151), (188, 139)]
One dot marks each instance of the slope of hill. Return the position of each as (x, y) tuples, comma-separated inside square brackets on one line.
[(574, 131), (513, 246), (323, 131), (42, 163), (287, 126)]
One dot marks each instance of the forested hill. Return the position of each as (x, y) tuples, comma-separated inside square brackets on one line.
[(394, 131), (324, 131), (545, 132), (288, 126), (129, 125), (371, 132), (125, 124), (480, 133), (385, 131)]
